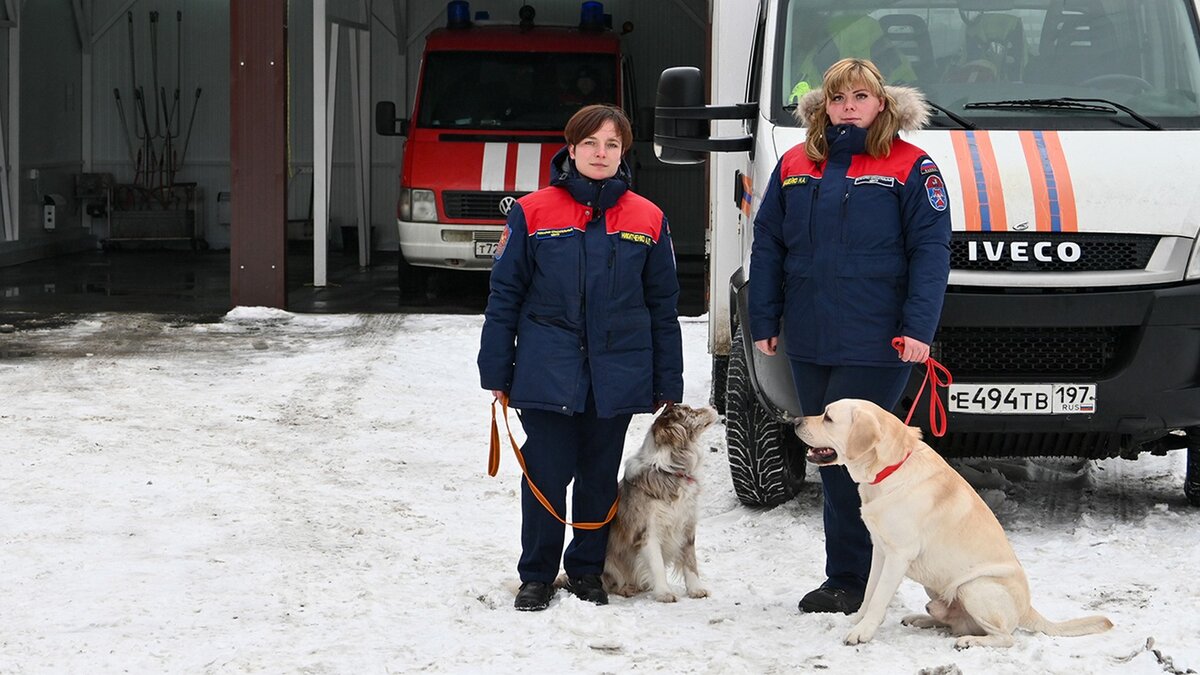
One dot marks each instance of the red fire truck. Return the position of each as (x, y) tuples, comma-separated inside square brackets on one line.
[(490, 107)]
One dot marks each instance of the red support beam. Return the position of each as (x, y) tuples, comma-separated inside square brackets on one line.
[(258, 138)]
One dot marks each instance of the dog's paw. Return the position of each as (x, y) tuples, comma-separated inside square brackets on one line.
[(919, 621), (698, 592), (860, 633), (991, 640), (665, 596), (626, 591)]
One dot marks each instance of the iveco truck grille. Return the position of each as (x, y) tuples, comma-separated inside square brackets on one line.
[(1018, 351), (479, 205), (1050, 252)]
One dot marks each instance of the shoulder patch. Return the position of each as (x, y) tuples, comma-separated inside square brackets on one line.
[(503, 242), (928, 167), (936, 190)]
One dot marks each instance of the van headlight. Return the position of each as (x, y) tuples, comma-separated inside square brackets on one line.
[(417, 206), (1193, 268)]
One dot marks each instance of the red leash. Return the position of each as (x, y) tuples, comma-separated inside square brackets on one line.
[(940, 376)]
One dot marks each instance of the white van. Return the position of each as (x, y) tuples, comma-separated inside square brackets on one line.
[(1068, 132)]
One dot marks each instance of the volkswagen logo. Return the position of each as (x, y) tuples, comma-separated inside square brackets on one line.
[(506, 204)]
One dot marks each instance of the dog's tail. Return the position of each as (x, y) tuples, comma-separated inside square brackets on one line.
[(1034, 621)]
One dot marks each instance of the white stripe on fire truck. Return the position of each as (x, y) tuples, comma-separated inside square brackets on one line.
[(529, 166), (495, 156)]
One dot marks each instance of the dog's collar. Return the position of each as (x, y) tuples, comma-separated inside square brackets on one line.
[(889, 470), (689, 478)]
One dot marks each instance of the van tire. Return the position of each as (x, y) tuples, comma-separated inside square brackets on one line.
[(766, 459)]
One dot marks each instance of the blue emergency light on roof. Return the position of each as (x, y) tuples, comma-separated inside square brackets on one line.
[(458, 14), (591, 15)]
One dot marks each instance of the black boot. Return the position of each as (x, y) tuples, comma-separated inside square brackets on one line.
[(589, 588), (534, 596), (829, 599)]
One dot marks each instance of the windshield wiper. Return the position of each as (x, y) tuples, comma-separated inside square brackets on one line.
[(962, 122), (1102, 105)]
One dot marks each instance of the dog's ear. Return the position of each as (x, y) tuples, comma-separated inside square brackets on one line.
[(667, 429), (864, 434)]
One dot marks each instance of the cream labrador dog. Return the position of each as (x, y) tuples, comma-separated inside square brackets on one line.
[(928, 524)]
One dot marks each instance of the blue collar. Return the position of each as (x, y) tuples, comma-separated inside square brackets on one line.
[(846, 139), (598, 194)]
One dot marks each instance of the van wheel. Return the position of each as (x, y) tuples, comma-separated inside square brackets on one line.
[(766, 459), (1191, 479), (720, 371)]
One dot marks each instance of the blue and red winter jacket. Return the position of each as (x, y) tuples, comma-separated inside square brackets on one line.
[(850, 253), (583, 297)]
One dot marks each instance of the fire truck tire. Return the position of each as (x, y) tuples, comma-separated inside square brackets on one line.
[(413, 280), (766, 459), (720, 371), (1191, 479)]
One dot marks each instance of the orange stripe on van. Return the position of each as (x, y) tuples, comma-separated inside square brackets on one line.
[(991, 175), (1037, 179), (747, 194), (966, 178), (1062, 182)]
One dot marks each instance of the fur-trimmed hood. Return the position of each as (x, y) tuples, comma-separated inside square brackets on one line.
[(910, 104)]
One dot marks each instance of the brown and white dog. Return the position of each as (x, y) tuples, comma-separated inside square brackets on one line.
[(928, 524), (655, 525)]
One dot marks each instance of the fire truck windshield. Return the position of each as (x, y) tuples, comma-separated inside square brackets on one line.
[(512, 91)]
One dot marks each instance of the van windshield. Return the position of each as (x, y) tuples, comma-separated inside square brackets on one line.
[(512, 91), (1141, 54)]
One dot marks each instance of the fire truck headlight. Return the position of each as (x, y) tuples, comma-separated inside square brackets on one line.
[(424, 208), (1193, 268)]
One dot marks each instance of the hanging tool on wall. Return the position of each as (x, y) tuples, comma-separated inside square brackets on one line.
[(154, 149), (133, 157)]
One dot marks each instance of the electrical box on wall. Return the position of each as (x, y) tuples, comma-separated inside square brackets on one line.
[(51, 205)]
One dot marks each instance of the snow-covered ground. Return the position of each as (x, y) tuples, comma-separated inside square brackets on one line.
[(296, 493)]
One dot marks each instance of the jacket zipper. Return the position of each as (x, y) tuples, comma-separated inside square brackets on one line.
[(812, 211), (612, 292), (842, 218)]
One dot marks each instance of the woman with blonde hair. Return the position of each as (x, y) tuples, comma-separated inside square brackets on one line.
[(851, 249)]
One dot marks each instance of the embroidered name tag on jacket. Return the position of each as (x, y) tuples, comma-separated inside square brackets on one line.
[(885, 181), (637, 238), (794, 180), (555, 233)]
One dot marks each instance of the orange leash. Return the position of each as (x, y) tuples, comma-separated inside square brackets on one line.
[(494, 466), (940, 376)]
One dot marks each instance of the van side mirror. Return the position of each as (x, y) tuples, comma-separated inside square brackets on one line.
[(681, 119), (680, 87), (386, 123)]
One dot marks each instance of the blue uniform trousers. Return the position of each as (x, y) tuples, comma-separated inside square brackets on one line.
[(847, 542), (559, 448)]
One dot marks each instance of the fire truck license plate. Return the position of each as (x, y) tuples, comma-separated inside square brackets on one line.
[(485, 249), (1023, 399)]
